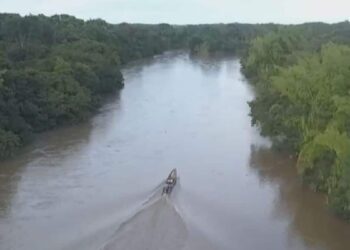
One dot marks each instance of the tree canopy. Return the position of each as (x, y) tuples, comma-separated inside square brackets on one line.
[(56, 70), (302, 102)]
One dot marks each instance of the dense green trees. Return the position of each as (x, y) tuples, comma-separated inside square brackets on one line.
[(302, 102), (55, 70), (232, 38)]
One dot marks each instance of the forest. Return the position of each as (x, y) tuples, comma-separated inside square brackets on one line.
[(301, 75), (57, 70)]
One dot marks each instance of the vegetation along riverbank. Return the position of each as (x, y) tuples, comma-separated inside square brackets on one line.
[(303, 102), (56, 70)]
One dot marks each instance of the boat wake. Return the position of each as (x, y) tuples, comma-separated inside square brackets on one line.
[(158, 226)]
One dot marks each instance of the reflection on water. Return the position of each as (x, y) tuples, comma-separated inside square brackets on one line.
[(74, 187), (306, 211), (210, 65)]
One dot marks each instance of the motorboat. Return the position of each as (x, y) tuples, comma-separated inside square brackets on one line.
[(170, 182)]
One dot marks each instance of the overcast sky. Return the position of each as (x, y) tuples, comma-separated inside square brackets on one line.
[(188, 11)]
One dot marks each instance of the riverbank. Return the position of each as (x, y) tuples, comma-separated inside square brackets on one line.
[(302, 104), (78, 182), (56, 71)]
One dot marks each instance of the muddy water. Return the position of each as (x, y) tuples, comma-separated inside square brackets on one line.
[(96, 185)]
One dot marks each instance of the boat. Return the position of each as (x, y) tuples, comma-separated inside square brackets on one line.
[(170, 182)]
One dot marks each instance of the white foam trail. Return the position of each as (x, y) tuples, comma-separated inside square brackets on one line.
[(156, 227)]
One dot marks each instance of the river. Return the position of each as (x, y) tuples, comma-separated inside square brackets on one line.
[(96, 185)]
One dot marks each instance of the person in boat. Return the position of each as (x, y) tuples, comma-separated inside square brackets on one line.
[(170, 181)]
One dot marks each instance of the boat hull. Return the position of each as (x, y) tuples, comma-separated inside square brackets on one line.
[(170, 182)]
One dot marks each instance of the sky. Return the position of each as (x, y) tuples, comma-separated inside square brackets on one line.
[(188, 11)]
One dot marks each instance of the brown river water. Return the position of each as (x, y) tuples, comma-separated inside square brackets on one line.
[(97, 185)]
